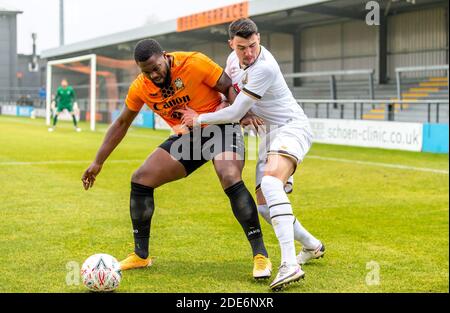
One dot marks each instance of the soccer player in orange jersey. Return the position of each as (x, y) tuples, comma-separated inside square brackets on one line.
[(169, 82)]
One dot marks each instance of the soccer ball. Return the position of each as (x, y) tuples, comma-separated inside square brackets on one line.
[(101, 272)]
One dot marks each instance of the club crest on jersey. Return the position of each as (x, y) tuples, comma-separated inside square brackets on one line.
[(178, 83)]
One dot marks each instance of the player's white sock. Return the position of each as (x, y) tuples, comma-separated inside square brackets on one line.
[(282, 224), (300, 233), (307, 240), (281, 215), (263, 210)]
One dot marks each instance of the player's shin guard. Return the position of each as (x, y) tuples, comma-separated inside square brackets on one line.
[(244, 209), (141, 211), (55, 119), (281, 215)]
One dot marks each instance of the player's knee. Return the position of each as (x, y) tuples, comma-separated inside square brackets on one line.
[(140, 176), (229, 177)]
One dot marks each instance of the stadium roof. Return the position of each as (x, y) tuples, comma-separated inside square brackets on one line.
[(255, 8), (287, 16)]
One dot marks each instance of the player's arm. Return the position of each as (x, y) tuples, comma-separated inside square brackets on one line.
[(231, 114), (260, 80), (224, 86), (113, 137)]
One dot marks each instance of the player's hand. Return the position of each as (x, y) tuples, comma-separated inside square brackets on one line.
[(222, 105), (252, 120), (189, 117), (89, 175)]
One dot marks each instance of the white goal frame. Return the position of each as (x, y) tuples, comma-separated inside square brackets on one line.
[(93, 76)]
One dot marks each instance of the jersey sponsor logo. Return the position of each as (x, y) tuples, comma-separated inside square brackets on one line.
[(170, 104), (168, 108)]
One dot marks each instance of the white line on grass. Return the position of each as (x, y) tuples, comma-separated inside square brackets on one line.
[(64, 162), (389, 165)]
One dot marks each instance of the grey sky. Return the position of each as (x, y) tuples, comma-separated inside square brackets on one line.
[(86, 19)]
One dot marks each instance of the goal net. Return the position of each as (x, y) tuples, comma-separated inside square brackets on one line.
[(81, 74)]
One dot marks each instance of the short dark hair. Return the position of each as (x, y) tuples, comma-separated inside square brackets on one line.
[(243, 27), (145, 48)]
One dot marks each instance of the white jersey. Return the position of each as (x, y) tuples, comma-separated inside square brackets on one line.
[(264, 82)]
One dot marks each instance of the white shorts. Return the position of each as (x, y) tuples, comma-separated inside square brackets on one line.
[(292, 140)]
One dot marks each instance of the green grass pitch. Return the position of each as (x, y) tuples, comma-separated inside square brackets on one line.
[(385, 229)]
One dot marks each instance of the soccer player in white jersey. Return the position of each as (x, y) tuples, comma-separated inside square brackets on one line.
[(261, 89)]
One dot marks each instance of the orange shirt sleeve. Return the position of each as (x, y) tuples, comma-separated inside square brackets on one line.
[(133, 101), (206, 68)]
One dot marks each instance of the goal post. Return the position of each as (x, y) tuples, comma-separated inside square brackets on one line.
[(92, 95)]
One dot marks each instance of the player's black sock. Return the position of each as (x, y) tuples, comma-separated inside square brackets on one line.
[(55, 119), (141, 211), (245, 211), (74, 120)]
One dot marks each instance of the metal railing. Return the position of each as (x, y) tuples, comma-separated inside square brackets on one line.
[(422, 110), (332, 76), (400, 70)]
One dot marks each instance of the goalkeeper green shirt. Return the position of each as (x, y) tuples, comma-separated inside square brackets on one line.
[(65, 97)]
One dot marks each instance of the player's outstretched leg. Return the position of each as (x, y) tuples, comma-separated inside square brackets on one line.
[(245, 211), (141, 211), (148, 177)]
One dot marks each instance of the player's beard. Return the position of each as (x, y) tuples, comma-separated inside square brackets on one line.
[(167, 79)]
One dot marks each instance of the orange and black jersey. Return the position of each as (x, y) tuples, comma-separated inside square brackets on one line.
[(194, 77)]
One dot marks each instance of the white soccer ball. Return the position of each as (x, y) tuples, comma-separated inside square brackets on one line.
[(101, 272)]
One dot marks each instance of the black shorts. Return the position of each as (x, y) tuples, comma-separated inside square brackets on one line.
[(203, 144)]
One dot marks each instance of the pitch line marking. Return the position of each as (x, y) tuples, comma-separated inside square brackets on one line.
[(65, 162), (389, 165)]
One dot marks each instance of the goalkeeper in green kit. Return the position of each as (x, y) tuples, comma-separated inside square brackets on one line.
[(65, 99)]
